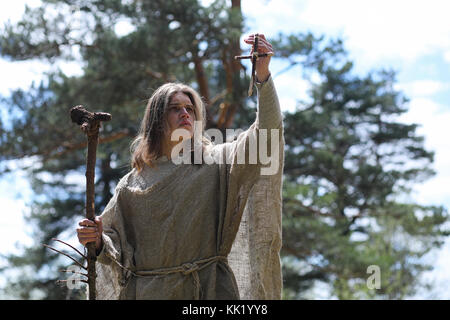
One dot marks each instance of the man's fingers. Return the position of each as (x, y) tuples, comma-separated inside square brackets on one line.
[(85, 230), (251, 37), (86, 241), (86, 223), (90, 223), (263, 45), (89, 231), (86, 238), (93, 235), (99, 223), (89, 238), (260, 35)]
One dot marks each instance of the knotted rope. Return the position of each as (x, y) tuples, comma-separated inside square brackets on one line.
[(188, 268)]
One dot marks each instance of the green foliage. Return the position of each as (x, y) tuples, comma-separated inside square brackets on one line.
[(120, 72), (347, 160)]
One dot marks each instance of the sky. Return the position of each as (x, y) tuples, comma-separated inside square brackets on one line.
[(411, 37)]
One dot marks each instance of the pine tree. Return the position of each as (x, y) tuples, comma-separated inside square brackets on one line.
[(170, 41), (348, 163)]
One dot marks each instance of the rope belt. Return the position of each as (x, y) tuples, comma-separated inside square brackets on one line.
[(189, 268)]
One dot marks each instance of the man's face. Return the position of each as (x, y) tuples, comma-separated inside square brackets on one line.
[(181, 113)]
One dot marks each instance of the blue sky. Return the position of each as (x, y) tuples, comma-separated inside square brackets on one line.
[(410, 37)]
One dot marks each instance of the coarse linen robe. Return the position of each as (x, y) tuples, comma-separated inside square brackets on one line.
[(199, 231)]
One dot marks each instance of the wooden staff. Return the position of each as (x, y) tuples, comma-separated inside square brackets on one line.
[(90, 125)]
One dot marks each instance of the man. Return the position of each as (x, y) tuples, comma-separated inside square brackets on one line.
[(170, 228)]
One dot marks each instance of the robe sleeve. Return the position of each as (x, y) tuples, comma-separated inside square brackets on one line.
[(251, 227), (116, 256)]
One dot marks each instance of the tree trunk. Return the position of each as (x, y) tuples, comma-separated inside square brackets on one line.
[(232, 69), (203, 88)]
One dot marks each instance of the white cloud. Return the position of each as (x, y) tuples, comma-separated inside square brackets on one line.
[(13, 230), (15, 193), (70, 68), (421, 88), (270, 17), (447, 56), (16, 9), (385, 29), (288, 104), (375, 31), (124, 27), (290, 89), (434, 120), (20, 74), (438, 276)]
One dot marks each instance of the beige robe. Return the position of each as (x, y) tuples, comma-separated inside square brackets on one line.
[(198, 231)]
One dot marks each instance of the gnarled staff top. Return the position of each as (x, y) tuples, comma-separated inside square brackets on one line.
[(89, 121)]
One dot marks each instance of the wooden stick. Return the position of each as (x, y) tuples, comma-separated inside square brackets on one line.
[(81, 280), (268, 54), (90, 124), (254, 59)]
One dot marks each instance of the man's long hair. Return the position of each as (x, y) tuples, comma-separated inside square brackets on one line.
[(148, 145)]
